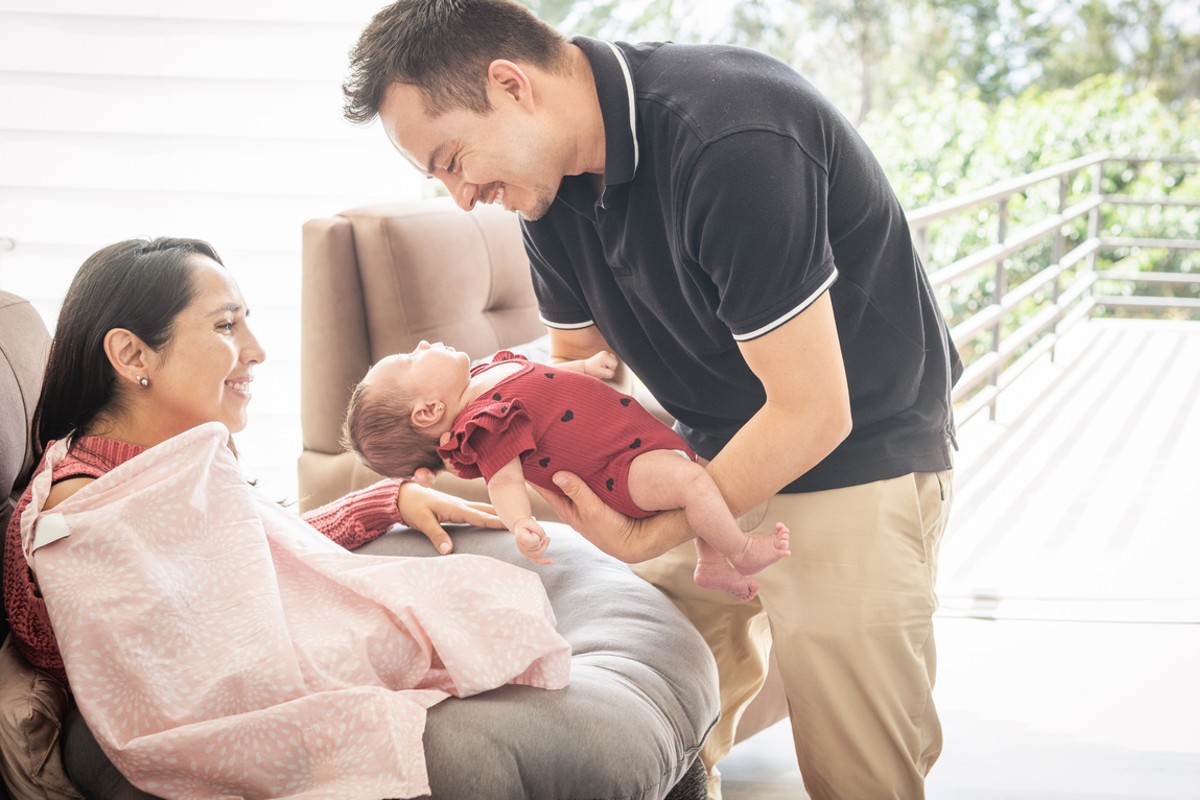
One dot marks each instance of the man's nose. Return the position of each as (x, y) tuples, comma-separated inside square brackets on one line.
[(465, 194)]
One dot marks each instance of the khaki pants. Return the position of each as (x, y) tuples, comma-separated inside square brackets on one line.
[(850, 616)]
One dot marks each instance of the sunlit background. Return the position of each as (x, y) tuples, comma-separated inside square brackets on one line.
[(221, 119), (217, 119)]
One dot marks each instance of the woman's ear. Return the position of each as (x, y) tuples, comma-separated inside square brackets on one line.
[(128, 354), (428, 412)]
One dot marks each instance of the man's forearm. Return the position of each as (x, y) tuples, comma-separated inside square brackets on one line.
[(772, 449), (581, 344), (651, 537), (805, 416)]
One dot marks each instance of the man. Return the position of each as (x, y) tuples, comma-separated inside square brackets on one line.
[(705, 214)]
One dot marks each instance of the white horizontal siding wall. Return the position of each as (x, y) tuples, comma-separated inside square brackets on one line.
[(207, 118)]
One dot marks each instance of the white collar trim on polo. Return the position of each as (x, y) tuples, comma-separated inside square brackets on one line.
[(629, 88)]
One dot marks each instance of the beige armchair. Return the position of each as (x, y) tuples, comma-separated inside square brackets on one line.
[(377, 280), (24, 344)]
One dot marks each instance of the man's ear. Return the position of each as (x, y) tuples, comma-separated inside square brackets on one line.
[(128, 354), (507, 82), (428, 412)]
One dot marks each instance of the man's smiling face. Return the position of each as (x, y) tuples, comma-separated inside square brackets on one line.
[(494, 157)]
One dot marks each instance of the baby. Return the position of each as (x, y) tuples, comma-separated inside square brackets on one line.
[(513, 420)]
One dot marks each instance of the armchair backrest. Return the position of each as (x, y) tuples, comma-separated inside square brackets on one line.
[(24, 345), (377, 280)]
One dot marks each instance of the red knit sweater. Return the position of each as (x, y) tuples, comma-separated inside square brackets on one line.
[(351, 521)]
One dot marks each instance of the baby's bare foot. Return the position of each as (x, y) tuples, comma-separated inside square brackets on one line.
[(761, 552), (717, 574)]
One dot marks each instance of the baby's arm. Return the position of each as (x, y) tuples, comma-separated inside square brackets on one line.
[(507, 490), (602, 365)]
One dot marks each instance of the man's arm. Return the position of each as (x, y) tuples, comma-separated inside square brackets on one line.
[(581, 344), (602, 365), (806, 415)]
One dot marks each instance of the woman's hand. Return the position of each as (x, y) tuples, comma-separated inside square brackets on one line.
[(630, 540), (426, 509)]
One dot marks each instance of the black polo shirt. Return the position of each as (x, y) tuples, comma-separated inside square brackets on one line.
[(734, 196)]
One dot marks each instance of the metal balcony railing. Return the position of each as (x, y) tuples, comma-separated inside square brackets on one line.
[(1057, 254)]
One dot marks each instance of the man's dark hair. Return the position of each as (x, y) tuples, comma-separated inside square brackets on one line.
[(444, 47)]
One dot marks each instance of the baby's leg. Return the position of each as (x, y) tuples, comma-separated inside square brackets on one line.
[(662, 479), (713, 571)]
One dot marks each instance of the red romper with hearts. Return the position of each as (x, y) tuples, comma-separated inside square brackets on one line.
[(556, 419)]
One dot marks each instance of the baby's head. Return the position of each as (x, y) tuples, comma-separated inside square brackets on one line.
[(402, 406), (380, 430)]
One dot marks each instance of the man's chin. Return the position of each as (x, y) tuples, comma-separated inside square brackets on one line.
[(535, 213)]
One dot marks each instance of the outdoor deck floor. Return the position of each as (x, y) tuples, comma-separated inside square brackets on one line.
[(1069, 635)]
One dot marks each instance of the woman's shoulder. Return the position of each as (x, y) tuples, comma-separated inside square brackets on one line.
[(88, 458), (61, 490), (95, 455)]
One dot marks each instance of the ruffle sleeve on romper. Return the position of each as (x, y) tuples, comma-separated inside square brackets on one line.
[(489, 436)]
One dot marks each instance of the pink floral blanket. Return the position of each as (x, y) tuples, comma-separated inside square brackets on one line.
[(220, 647)]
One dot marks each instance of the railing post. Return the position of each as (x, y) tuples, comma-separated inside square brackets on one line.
[(997, 326), (921, 243), (1094, 228), (1021, 339), (1056, 254)]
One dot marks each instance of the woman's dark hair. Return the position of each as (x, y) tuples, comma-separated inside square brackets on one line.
[(444, 47), (140, 285)]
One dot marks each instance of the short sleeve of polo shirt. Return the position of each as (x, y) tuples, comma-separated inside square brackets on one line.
[(755, 218)]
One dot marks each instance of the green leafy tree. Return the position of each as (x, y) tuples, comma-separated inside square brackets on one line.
[(871, 54), (955, 95), (945, 144), (1148, 41)]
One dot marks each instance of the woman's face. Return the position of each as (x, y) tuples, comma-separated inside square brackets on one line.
[(203, 373)]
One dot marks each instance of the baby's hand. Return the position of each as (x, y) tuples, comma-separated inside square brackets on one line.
[(602, 365), (532, 540)]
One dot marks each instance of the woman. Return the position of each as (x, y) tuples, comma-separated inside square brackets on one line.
[(152, 349)]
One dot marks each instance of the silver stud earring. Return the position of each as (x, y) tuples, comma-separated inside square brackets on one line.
[(144, 381)]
